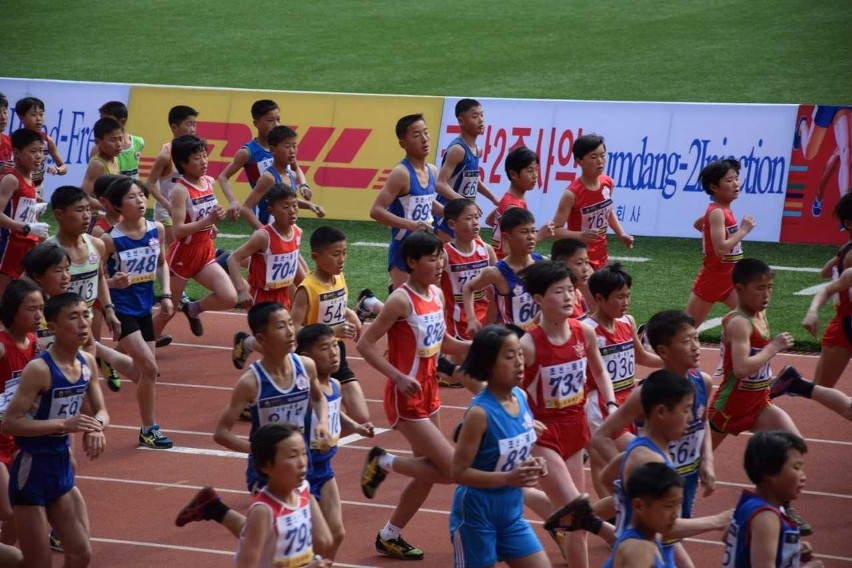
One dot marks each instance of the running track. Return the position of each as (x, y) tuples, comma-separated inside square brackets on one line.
[(133, 494)]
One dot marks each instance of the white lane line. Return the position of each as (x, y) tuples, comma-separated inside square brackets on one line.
[(710, 324), (796, 269), (631, 258), (370, 244), (197, 452), (351, 438), (232, 236), (812, 290)]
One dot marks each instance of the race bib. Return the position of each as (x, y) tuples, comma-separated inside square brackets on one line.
[(431, 328), (620, 361), (465, 272), (331, 309), (140, 263), (202, 206), (281, 269), (290, 409), (758, 380), (524, 310), (563, 383), (736, 253), (6, 396), (596, 217), (469, 183), (66, 402), (685, 454), (25, 211), (419, 208), (514, 451), (86, 285), (294, 546), (333, 426)]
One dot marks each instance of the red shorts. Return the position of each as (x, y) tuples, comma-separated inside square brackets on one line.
[(839, 332), (714, 285), (596, 411), (8, 449), (566, 437), (103, 224), (457, 330), (418, 407), (187, 260), (733, 422), (280, 295), (12, 253)]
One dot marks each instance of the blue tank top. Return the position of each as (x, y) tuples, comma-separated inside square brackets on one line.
[(291, 178), (333, 400), (63, 400), (685, 453), (138, 258), (259, 159), (275, 405), (465, 177), (261, 210), (737, 553), (623, 508), (517, 307), (631, 533), (416, 205)]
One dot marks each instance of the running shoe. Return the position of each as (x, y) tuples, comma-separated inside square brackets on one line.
[(239, 352), (195, 509), (372, 475), (805, 529), (55, 543), (783, 381), (194, 323), (397, 548), (816, 207), (443, 382), (571, 516), (112, 378), (363, 313), (154, 439), (797, 135), (163, 341)]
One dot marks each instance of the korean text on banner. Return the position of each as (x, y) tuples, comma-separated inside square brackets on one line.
[(71, 110), (655, 152), (347, 145)]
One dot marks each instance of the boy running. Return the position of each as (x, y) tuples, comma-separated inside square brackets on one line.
[(522, 170), (131, 146), (30, 111), (5, 142), (109, 136), (574, 254)]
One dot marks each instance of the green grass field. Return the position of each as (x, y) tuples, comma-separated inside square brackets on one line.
[(764, 51)]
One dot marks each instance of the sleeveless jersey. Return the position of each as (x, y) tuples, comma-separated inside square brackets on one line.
[(326, 302), (739, 396), (289, 543), (84, 276), (166, 183), (685, 454), (274, 404), (20, 208), (38, 174), (843, 299), (7, 160), (416, 205), (631, 533), (738, 541), (275, 267), (128, 158), (138, 258), (711, 259), (259, 160), (465, 177), (64, 399), (580, 305), (506, 202), (200, 201), (460, 267), (623, 508), (591, 212), (415, 342), (333, 400), (508, 440), (291, 176), (555, 381), (111, 168), (12, 365), (619, 357), (517, 307)]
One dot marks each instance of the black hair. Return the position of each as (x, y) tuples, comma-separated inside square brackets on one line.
[(43, 257), (519, 159), (404, 123), (713, 172), (280, 134), (585, 144), (104, 126), (749, 269), (325, 236), (183, 147), (309, 335), (13, 296), (259, 314), (103, 182), (278, 192), (55, 304), (609, 279), (23, 137), (265, 440), (179, 113), (454, 209), (4, 102), (483, 351), (563, 249), (119, 188), (663, 326), (515, 217), (843, 209), (419, 244), (24, 105), (66, 196), (261, 107), (115, 109), (541, 275), (465, 105), (666, 388), (652, 480), (766, 453)]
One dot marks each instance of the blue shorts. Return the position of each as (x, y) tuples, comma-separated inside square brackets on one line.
[(320, 474), (261, 211), (440, 224), (690, 490), (395, 256), (255, 481), (488, 526), (825, 115), (40, 479)]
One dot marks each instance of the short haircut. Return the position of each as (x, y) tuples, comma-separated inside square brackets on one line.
[(484, 350), (713, 172), (404, 123), (652, 480), (22, 137), (666, 388), (766, 453), (24, 105), (541, 275), (279, 192), (104, 126), (13, 296), (843, 209), (43, 257), (179, 113), (259, 314), (465, 105), (102, 183), (119, 188), (663, 326), (563, 249), (515, 217), (66, 196), (55, 304), (325, 236), (280, 134), (310, 335), (609, 279), (261, 107), (519, 159), (585, 144), (4, 102), (454, 209), (749, 269), (183, 147), (265, 440), (115, 109), (419, 244)]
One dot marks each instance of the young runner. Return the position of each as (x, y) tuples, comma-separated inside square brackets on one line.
[(574, 254), (522, 170), (6, 161), (131, 147), (30, 111), (109, 137)]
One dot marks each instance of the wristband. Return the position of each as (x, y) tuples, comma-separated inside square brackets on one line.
[(445, 366), (301, 185), (611, 403), (109, 307), (165, 297)]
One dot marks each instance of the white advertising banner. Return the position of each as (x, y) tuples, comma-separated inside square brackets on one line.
[(71, 109), (654, 154)]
